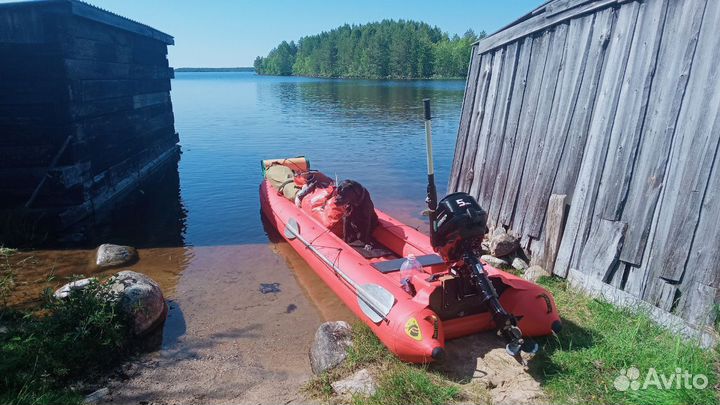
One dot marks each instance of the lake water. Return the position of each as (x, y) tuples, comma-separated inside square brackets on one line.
[(369, 131), (200, 233)]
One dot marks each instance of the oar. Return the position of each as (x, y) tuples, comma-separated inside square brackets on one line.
[(374, 300)]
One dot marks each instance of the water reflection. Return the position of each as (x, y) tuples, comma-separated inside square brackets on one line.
[(151, 216), (388, 102)]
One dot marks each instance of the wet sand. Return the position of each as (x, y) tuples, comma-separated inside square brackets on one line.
[(224, 340)]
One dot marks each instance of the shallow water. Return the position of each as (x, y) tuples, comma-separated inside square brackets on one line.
[(198, 223)]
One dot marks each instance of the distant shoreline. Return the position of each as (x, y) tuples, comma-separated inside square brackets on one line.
[(207, 69), (396, 79)]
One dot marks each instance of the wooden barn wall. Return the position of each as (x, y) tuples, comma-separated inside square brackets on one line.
[(614, 108), (85, 109)]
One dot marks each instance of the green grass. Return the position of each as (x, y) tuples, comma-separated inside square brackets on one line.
[(42, 352), (398, 382), (599, 340), (404, 384), (6, 252), (7, 275), (578, 366)]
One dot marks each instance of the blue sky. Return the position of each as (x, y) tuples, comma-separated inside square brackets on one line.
[(217, 33)]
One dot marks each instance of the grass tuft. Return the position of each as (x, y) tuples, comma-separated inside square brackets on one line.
[(398, 382), (6, 252), (42, 352), (405, 384)]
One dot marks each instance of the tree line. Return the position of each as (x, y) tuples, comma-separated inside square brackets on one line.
[(381, 50)]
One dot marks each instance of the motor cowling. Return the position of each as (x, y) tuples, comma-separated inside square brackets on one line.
[(458, 218)]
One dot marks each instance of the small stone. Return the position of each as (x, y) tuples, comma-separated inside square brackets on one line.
[(533, 273), (503, 244), (97, 395), (76, 285), (329, 349), (362, 383), (128, 370), (494, 261), (109, 255), (485, 245), (519, 264), (4, 330)]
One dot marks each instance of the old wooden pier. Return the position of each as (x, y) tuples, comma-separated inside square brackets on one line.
[(85, 110), (590, 130)]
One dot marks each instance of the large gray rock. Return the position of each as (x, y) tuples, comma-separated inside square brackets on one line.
[(329, 349), (109, 255), (362, 383), (502, 244), (141, 298), (533, 273), (76, 285)]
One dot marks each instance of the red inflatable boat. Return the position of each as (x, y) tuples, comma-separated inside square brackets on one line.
[(455, 294)]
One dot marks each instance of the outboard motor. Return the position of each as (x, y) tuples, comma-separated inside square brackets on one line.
[(458, 229), (459, 220)]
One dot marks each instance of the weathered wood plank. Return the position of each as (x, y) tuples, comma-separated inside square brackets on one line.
[(698, 304), (574, 62), (484, 135), (529, 107), (466, 174), (619, 275), (88, 91), (583, 201), (78, 69), (680, 35), (465, 117), (700, 284), (695, 145), (555, 219), (140, 53), (602, 249), (546, 109), (540, 23), (632, 106), (81, 109), (702, 265), (511, 129), (491, 159), (574, 149)]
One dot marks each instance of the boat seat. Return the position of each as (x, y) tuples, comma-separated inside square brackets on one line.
[(388, 266)]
